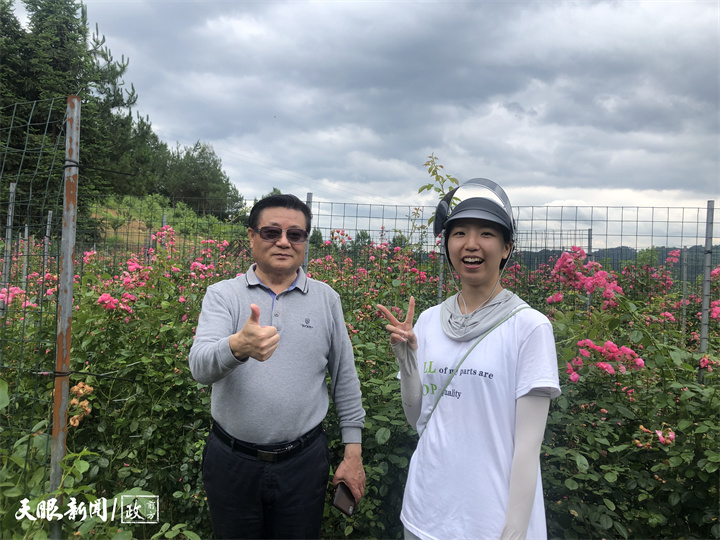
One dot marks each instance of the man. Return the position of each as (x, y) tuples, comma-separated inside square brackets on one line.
[(265, 341)]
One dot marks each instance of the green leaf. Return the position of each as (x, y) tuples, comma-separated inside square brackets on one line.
[(609, 504), (88, 525), (627, 413), (660, 359), (603, 440), (621, 529), (4, 397), (13, 492), (571, 484), (684, 424), (582, 462), (606, 521), (678, 356), (611, 476), (382, 435)]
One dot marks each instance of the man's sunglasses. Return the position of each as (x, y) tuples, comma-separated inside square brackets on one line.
[(273, 234)]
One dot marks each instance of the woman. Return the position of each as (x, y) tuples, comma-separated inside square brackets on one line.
[(477, 376)]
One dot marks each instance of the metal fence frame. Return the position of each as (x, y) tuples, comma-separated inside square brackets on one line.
[(610, 234)]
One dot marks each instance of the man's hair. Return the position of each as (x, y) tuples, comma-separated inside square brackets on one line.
[(288, 201)]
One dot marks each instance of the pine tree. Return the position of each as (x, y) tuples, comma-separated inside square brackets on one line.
[(12, 43), (195, 176), (56, 56)]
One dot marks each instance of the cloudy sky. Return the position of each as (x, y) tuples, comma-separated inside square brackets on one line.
[(574, 103)]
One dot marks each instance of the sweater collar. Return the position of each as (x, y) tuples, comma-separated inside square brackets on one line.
[(300, 283)]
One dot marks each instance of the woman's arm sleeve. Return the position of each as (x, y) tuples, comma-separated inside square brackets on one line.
[(530, 419), (410, 385)]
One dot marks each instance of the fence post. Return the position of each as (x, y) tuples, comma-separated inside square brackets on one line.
[(441, 262), (26, 257), (65, 300), (706, 282), (683, 277), (46, 252), (8, 246), (588, 297), (307, 244)]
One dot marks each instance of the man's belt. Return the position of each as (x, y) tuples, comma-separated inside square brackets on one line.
[(268, 452)]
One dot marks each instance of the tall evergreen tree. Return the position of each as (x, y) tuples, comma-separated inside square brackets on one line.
[(12, 83), (195, 175), (12, 43), (56, 56)]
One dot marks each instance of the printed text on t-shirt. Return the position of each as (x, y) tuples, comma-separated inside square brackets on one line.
[(431, 388)]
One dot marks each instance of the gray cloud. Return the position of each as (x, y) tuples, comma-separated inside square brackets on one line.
[(347, 99)]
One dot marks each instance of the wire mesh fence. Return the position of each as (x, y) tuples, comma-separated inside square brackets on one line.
[(613, 236), (348, 234), (32, 139)]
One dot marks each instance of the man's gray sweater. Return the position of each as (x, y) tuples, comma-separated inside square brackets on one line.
[(286, 396)]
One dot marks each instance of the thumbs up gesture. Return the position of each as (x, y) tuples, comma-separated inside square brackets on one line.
[(254, 340)]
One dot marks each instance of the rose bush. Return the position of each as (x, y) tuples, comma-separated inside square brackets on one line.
[(631, 446), (630, 449)]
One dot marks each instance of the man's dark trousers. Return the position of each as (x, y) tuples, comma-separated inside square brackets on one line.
[(252, 498)]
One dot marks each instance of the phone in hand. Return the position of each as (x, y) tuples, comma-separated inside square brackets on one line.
[(343, 499)]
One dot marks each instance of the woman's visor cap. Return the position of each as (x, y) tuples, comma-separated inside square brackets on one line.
[(481, 208)]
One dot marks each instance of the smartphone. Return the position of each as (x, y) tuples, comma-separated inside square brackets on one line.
[(343, 499)]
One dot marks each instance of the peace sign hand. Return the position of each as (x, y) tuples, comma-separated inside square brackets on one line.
[(401, 331)]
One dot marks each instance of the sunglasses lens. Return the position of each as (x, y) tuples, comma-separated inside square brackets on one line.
[(273, 234), (296, 236), (270, 233)]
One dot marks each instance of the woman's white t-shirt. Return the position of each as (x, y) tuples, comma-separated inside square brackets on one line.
[(459, 475)]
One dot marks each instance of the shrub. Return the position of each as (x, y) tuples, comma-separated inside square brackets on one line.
[(630, 449)]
